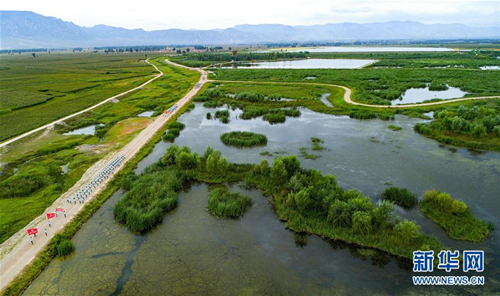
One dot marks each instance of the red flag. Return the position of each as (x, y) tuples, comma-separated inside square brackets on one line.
[(32, 231), (50, 215), (59, 210)]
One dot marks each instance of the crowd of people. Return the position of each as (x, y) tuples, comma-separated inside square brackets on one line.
[(84, 192)]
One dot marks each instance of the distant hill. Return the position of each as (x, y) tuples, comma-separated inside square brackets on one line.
[(24, 29)]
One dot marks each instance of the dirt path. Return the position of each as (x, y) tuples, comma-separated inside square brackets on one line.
[(83, 111), (17, 252), (347, 94)]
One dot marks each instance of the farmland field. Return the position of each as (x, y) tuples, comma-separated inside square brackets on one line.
[(31, 167), (36, 91)]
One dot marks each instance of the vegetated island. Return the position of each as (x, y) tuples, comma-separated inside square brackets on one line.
[(474, 127), (243, 139), (223, 203), (309, 201), (454, 217)]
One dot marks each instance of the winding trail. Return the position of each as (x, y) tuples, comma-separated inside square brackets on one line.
[(17, 252), (347, 94), (11, 140)]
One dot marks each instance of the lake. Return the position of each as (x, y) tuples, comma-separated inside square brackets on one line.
[(88, 130), (308, 64), (196, 253), (417, 95)]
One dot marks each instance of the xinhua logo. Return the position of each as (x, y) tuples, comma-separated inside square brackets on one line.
[(472, 260)]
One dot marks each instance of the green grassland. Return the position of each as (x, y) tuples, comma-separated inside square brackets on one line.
[(39, 157), (377, 85), (36, 91)]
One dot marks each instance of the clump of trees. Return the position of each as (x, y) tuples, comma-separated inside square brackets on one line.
[(152, 195), (400, 196), (309, 201), (471, 125), (223, 203), (454, 217), (243, 139)]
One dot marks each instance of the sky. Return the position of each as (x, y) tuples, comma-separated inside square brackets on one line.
[(196, 14)]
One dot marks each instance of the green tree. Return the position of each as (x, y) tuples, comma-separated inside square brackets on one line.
[(279, 174), (408, 231), (222, 165), (302, 200), (186, 160), (362, 222), (264, 167)]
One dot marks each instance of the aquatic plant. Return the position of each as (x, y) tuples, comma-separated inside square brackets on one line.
[(223, 203), (243, 139), (454, 217), (394, 127), (400, 196)]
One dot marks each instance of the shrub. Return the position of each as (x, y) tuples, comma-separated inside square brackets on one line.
[(243, 139), (176, 125), (400, 196), (223, 203), (65, 248)]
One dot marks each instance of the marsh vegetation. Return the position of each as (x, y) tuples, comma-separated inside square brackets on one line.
[(223, 203)]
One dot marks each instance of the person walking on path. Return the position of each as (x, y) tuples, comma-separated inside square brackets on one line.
[(31, 240), (50, 224), (45, 231), (64, 214)]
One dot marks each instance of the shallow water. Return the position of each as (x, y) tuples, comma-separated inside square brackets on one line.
[(88, 130), (146, 114), (324, 99), (490, 68), (65, 168), (417, 95), (193, 252), (308, 64)]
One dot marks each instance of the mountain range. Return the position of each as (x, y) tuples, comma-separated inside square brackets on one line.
[(25, 29)]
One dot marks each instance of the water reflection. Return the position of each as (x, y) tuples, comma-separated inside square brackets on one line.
[(307, 64), (417, 95)]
